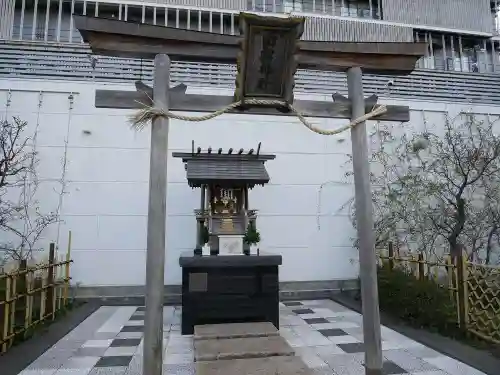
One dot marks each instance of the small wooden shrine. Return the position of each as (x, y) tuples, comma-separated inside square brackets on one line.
[(225, 179)]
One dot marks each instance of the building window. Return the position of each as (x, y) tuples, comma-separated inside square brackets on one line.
[(344, 8)]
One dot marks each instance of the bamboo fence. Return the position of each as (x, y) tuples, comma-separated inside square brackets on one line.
[(32, 295), (475, 288)]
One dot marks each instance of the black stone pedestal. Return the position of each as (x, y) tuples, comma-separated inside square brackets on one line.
[(229, 289)]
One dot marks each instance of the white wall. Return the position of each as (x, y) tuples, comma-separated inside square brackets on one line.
[(105, 205)]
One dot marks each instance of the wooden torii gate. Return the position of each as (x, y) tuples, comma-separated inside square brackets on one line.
[(269, 52)]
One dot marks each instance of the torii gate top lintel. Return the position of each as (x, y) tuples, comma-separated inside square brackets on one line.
[(117, 38), (112, 37)]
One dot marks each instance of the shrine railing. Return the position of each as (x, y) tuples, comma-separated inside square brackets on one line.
[(75, 62)]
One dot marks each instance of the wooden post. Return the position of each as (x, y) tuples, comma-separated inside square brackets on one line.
[(13, 297), (66, 273), (50, 281), (43, 294), (31, 297), (6, 314), (465, 295), (449, 271), (26, 290), (391, 256), (461, 295), (364, 217), (155, 258), (420, 267), (58, 272)]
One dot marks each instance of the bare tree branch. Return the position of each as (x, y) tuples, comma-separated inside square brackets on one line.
[(21, 223)]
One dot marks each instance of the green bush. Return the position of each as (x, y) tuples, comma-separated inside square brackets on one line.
[(205, 235), (421, 303), (252, 235)]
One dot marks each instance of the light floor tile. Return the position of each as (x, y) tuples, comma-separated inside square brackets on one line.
[(344, 364), (424, 352), (343, 339), (120, 351), (72, 371), (337, 325), (38, 372), (97, 343), (310, 357), (80, 362), (453, 366), (179, 369), (178, 359), (116, 370), (407, 361)]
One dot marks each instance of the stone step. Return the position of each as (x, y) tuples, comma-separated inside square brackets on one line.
[(255, 366), (234, 330), (250, 347)]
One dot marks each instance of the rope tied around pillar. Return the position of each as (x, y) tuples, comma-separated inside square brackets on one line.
[(149, 113)]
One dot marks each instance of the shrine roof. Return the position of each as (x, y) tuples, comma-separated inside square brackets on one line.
[(232, 170)]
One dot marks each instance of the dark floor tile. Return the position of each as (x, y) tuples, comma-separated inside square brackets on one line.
[(141, 308), (292, 303), (125, 342), (332, 332), (390, 368), (132, 329), (357, 347), (137, 317), (303, 311), (115, 361), (316, 320)]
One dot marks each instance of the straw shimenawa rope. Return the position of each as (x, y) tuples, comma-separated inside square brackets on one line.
[(143, 116)]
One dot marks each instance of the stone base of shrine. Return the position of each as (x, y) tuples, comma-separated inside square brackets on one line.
[(229, 289)]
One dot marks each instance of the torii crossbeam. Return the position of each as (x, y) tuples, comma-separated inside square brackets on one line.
[(267, 54)]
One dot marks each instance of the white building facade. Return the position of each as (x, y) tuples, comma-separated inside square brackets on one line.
[(93, 168)]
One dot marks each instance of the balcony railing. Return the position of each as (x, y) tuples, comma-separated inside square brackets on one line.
[(75, 62), (495, 15), (52, 21), (38, 24)]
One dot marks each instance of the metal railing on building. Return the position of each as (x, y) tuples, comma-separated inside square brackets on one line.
[(51, 20), (43, 42), (75, 62)]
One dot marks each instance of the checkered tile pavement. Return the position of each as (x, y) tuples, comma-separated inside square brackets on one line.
[(326, 335)]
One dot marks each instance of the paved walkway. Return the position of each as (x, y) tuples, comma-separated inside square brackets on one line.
[(325, 334)]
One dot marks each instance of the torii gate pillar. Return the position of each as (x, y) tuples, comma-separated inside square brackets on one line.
[(155, 257), (364, 217)]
